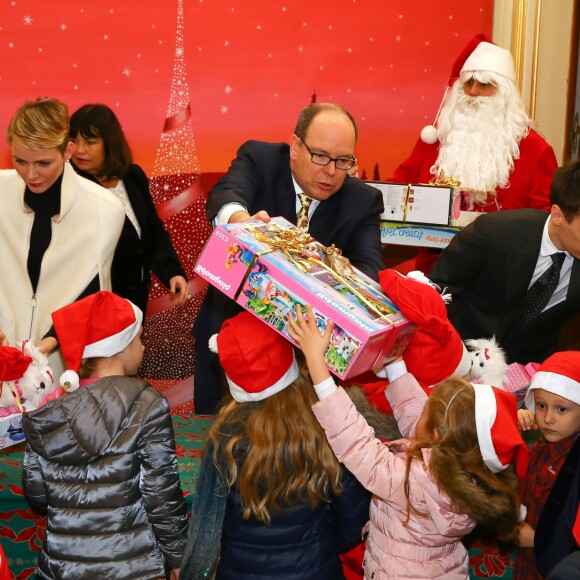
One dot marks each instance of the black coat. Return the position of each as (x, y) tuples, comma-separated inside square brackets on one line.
[(554, 539), (301, 543), (487, 269), (136, 257)]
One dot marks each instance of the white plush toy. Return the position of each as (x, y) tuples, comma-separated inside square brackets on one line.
[(488, 361), (26, 372)]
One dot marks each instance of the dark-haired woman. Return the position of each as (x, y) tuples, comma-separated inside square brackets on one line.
[(102, 152)]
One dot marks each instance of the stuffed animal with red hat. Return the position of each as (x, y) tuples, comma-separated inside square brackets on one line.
[(25, 376)]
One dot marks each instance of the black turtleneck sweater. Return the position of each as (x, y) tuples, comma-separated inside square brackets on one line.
[(45, 206)]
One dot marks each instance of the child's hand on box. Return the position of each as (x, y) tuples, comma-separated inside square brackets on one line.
[(526, 420), (313, 344)]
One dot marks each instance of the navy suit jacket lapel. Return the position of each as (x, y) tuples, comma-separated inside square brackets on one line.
[(322, 220), (574, 285), (523, 260), (286, 194)]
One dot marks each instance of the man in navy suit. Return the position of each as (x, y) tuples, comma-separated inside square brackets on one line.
[(265, 181), (489, 266)]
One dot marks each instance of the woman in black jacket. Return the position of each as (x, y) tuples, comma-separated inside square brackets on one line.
[(102, 153)]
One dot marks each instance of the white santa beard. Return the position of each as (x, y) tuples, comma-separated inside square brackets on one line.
[(477, 147)]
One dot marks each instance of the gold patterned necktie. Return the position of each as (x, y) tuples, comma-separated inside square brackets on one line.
[(302, 215)]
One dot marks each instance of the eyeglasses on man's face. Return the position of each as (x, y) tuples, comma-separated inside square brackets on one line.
[(344, 163)]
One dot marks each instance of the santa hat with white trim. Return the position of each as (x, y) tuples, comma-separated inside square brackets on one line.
[(100, 325), (258, 361), (479, 55), (498, 434), (558, 374), (436, 351)]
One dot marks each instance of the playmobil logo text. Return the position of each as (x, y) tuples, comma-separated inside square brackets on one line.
[(214, 277)]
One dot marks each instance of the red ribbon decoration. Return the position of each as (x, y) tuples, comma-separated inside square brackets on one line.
[(178, 119)]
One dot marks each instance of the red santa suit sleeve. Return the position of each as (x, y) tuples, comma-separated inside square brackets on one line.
[(530, 178), (529, 184)]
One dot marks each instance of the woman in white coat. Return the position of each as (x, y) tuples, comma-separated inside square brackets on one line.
[(58, 231)]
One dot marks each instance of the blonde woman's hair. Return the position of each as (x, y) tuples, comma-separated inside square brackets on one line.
[(457, 466), (275, 451), (40, 124)]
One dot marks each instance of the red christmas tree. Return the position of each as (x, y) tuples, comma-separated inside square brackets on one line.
[(178, 195)]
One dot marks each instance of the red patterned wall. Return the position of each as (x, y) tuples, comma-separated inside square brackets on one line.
[(190, 80)]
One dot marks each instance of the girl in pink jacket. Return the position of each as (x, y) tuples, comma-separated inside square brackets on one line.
[(432, 488)]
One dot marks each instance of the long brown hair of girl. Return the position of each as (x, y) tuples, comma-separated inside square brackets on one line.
[(276, 452), (456, 463)]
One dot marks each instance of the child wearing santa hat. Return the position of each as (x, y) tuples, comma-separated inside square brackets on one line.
[(272, 498), (553, 407), (430, 489), (100, 461), (436, 351)]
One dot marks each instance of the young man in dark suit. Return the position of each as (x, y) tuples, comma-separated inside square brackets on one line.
[(490, 266), (271, 179)]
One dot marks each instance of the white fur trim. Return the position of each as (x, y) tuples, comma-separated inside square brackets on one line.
[(212, 343), (429, 134), (555, 383), (418, 276), (69, 381), (464, 365), (117, 342), (485, 413), (242, 396), (489, 57)]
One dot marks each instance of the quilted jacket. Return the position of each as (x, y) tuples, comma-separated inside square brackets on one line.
[(101, 463), (300, 543), (398, 546)]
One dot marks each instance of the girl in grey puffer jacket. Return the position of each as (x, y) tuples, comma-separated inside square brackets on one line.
[(101, 461)]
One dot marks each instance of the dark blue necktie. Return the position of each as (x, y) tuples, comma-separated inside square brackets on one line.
[(540, 293)]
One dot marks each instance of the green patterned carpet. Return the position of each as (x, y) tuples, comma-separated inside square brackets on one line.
[(22, 531)]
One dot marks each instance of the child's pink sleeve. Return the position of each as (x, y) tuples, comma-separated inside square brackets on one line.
[(355, 445), (407, 400)]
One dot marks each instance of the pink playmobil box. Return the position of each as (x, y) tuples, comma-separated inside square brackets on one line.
[(271, 268)]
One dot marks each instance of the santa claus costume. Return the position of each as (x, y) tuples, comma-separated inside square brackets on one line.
[(485, 142)]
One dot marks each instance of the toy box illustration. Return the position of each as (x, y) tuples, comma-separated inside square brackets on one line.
[(271, 268), (11, 430)]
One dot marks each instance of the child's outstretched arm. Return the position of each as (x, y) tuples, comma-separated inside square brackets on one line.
[(351, 438), (313, 344)]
